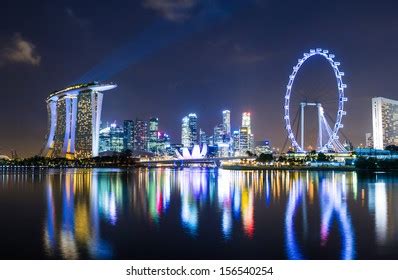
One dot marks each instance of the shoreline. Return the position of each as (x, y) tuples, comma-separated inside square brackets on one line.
[(294, 168), (225, 167)]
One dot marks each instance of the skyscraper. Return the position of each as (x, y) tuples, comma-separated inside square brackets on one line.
[(246, 138), (185, 134), (246, 121), (140, 135), (163, 143), (116, 138), (219, 134), (153, 131), (128, 137), (111, 139), (74, 115), (202, 137), (385, 122), (235, 142), (226, 119), (189, 130)]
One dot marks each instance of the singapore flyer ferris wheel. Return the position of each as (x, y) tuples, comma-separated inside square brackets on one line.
[(327, 136)]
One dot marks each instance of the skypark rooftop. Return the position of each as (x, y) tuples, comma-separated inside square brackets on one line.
[(75, 89)]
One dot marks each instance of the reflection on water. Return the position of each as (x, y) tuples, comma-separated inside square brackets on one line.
[(102, 213)]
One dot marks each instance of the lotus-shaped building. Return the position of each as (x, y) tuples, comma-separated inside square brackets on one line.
[(196, 152)]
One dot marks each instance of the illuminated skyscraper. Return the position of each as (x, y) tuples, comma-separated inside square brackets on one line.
[(140, 135), (153, 131), (202, 137), (385, 122), (219, 134), (246, 121), (226, 119), (163, 143), (235, 142), (128, 137), (116, 138), (111, 139), (185, 135), (74, 115), (244, 140), (189, 130)]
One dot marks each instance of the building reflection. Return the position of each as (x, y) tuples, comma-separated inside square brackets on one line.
[(333, 193), (74, 225), (83, 205)]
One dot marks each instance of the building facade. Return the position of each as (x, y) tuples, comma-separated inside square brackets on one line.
[(128, 135), (226, 119), (368, 140), (385, 122), (153, 131), (189, 130), (140, 135), (74, 116)]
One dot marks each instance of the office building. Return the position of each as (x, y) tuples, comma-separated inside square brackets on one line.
[(140, 136), (235, 142), (189, 130), (219, 134), (246, 120), (153, 130), (111, 139), (226, 117), (202, 137), (128, 137)]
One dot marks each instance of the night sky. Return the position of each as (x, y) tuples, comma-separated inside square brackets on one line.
[(173, 57)]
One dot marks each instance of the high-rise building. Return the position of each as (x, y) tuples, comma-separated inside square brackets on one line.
[(128, 137), (74, 116), (189, 131), (235, 142), (226, 119), (140, 135), (385, 122), (153, 131), (202, 137), (246, 121), (111, 139), (116, 138), (185, 133), (163, 143), (219, 134), (244, 140), (105, 139), (368, 140)]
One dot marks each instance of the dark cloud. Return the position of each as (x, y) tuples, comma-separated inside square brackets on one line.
[(19, 50)]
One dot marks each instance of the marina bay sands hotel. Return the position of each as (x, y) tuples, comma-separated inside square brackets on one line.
[(74, 116)]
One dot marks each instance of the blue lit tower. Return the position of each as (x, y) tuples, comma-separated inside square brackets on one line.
[(189, 130), (74, 115)]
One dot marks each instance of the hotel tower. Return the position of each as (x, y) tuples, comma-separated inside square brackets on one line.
[(74, 116)]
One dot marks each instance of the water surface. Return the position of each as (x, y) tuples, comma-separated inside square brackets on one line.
[(197, 214)]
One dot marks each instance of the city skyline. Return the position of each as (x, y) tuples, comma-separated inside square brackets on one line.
[(243, 66)]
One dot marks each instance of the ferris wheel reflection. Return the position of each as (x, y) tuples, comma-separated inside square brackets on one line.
[(333, 205)]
